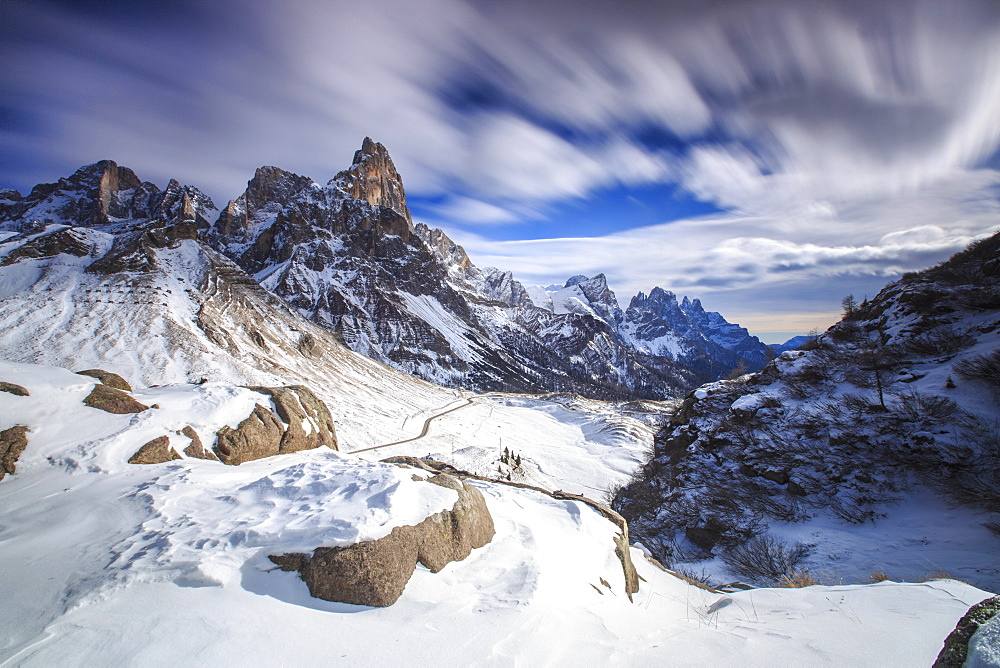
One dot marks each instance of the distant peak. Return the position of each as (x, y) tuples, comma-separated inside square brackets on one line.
[(575, 280)]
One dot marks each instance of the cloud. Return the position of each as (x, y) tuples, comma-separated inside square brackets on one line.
[(766, 269), (846, 140)]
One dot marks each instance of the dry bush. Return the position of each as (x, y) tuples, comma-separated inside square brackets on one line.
[(940, 342), (798, 579), (916, 407), (766, 558), (985, 368), (878, 575)]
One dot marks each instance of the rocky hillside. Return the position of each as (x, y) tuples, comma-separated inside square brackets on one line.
[(898, 401)]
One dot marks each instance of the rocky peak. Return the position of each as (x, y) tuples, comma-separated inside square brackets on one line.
[(273, 184), (270, 186), (658, 299), (374, 179), (93, 195), (185, 204), (450, 253)]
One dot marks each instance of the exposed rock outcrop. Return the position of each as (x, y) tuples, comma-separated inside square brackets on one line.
[(71, 241), (107, 378), (13, 388), (310, 424), (110, 400), (156, 451), (375, 572), (196, 448), (13, 441), (304, 423), (256, 437)]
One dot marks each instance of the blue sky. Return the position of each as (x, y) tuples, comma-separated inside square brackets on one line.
[(766, 156)]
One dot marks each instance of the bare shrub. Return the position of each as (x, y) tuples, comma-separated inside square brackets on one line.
[(878, 575), (798, 579), (974, 482), (917, 407), (985, 368), (766, 558), (940, 342), (703, 577), (846, 332)]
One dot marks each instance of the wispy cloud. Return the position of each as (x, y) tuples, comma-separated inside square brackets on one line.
[(843, 138)]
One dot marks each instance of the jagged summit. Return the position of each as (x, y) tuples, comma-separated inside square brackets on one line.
[(373, 178)]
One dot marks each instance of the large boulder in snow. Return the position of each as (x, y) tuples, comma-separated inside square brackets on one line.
[(107, 378), (303, 422), (310, 424), (110, 400), (156, 451), (13, 441), (256, 437), (375, 572)]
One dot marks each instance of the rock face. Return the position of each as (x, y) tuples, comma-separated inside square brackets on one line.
[(110, 400), (108, 378), (103, 193), (156, 451), (376, 572), (13, 441), (304, 423), (310, 424)]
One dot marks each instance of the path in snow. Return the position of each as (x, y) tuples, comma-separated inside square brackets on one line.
[(423, 431)]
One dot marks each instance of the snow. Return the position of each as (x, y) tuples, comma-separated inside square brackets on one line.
[(984, 647), (116, 564)]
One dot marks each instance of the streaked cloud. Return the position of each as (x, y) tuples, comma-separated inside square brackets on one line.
[(845, 140)]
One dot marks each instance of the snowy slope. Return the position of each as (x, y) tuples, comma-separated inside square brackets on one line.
[(114, 564), (872, 449)]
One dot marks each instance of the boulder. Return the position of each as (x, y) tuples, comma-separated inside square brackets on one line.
[(110, 400), (303, 422), (196, 449), (375, 572), (107, 378), (156, 451), (13, 441), (17, 390), (256, 437), (310, 424)]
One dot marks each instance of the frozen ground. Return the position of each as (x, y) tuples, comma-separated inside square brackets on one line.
[(114, 564)]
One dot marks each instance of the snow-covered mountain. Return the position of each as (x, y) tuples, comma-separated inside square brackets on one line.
[(658, 325), (878, 444), (347, 256)]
